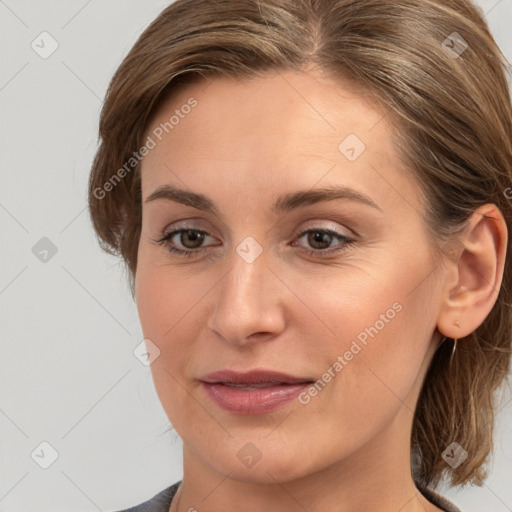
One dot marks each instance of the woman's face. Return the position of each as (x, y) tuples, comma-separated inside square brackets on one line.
[(340, 290)]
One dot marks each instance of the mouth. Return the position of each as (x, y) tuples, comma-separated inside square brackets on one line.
[(253, 386), (253, 392), (252, 378)]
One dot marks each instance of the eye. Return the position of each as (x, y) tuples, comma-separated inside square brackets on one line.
[(321, 239), (190, 239)]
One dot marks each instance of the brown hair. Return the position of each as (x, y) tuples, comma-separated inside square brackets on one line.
[(455, 118)]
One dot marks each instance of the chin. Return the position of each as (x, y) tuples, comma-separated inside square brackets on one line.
[(262, 473), (264, 465)]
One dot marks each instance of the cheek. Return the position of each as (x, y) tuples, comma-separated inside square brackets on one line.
[(361, 297), (158, 310), (164, 297), (380, 321), (166, 302)]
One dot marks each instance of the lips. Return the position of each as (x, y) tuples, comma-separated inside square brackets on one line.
[(253, 392), (253, 377)]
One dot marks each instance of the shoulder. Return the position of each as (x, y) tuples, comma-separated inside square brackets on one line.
[(158, 503), (162, 501), (438, 500)]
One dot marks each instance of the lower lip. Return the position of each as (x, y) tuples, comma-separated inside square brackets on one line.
[(253, 401)]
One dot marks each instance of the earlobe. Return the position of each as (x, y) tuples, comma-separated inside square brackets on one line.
[(475, 276)]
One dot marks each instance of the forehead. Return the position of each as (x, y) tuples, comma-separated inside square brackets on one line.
[(281, 126), (305, 108)]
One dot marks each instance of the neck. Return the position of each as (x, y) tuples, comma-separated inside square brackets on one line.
[(375, 478)]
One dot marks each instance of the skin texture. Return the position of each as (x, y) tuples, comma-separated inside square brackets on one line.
[(243, 145)]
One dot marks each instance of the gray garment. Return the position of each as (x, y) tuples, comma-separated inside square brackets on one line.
[(162, 501), (158, 503)]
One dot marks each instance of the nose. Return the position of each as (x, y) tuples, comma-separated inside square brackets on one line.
[(249, 305)]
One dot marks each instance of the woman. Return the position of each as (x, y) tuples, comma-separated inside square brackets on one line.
[(310, 197)]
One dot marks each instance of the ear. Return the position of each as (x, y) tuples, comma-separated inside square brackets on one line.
[(474, 276)]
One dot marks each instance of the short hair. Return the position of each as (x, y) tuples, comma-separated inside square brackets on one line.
[(435, 68)]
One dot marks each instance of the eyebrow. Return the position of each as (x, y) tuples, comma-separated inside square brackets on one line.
[(284, 203)]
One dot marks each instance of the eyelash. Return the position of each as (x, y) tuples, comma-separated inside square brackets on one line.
[(310, 252)]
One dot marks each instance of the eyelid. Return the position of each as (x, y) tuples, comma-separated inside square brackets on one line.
[(192, 225), (333, 226), (167, 235)]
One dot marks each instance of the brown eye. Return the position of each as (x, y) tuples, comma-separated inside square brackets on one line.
[(186, 242), (320, 242), (191, 239), (319, 239)]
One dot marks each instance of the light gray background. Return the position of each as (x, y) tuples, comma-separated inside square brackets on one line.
[(68, 375)]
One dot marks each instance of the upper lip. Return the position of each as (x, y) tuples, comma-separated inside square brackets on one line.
[(252, 377)]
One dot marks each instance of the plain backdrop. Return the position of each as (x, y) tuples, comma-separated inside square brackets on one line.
[(74, 397)]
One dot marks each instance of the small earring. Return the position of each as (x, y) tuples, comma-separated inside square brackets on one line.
[(453, 349)]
